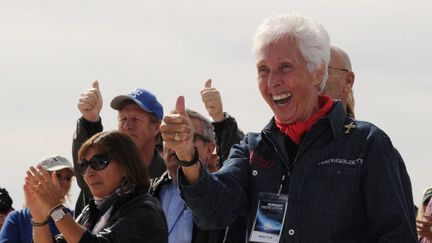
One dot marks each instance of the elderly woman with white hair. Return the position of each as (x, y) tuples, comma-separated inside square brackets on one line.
[(313, 174)]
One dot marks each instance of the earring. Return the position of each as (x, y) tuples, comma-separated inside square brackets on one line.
[(124, 184)]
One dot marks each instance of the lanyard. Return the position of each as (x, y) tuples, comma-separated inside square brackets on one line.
[(178, 218), (281, 185)]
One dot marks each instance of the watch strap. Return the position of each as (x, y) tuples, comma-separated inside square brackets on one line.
[(57, 213), (194, 160)]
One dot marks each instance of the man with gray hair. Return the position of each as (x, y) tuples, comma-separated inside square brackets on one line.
[(181, 228)]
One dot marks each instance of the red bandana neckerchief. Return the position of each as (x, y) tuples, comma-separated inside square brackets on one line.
[(296, 130)]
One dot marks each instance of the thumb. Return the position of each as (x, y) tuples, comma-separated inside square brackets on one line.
[(180, 105), (208, 83), (95, 84)]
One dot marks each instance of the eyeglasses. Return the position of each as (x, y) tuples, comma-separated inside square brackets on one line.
[(201, 137), (97, 162), (339, 69)]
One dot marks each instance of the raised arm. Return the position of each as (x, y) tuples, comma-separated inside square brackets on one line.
[(225, 126)]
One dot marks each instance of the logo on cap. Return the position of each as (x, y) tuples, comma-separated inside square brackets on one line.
[(135, 93)]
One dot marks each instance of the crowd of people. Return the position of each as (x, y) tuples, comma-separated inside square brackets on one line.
[(313, 174)]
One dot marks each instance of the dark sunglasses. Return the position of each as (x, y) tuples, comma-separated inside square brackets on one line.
[(201, 137), (97, 162)]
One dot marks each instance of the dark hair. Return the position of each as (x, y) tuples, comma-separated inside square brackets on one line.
[(119, 147), (5, 201)]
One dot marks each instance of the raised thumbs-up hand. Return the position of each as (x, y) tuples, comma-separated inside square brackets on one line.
[(177, 131), (90, 103), (212, 101)]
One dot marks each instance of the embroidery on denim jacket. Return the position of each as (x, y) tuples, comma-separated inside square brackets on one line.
[(341, 161), (259, 160)]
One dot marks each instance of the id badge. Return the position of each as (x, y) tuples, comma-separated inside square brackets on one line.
[(270, 217)]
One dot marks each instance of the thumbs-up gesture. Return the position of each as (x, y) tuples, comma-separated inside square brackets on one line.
[(90, 103), (212, 101), (177, 131)]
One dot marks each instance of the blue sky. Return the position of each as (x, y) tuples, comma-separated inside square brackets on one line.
[(52, 50)]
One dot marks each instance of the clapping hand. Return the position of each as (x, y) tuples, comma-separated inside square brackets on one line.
[(42, 192)]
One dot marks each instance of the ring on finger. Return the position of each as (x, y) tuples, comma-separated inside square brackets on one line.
[(177, 136)]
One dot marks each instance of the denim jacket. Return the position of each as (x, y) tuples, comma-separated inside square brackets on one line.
[(347, 183)]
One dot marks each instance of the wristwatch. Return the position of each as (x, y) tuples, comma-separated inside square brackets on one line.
[(58, 214)]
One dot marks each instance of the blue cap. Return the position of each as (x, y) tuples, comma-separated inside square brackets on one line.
[(143, 98)]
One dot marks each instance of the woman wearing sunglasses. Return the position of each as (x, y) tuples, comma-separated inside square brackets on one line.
[(121, 209)]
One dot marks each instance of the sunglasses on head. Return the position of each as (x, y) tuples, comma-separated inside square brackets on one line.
[(97, 162)]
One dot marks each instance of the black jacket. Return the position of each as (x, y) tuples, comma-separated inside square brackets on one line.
[(134, 218), (227, 134)]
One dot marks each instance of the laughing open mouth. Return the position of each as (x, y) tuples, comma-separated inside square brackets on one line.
[(281, 99)]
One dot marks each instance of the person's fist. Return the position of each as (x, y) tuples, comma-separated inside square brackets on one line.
[(90, 103), (177, 131), (212, 101)]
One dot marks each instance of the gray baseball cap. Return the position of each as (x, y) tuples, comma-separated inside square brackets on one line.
[(56, 163)]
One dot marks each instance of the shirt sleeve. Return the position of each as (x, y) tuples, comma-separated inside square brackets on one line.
[(227, 134), (84, 130), (217, 199), (10, 232)]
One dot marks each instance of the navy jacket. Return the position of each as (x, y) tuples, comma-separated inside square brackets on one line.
[(343, 185)]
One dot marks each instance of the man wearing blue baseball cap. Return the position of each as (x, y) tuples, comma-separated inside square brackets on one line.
[(139, 116)]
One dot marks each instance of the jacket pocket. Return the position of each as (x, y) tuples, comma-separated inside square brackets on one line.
[(333, 190)]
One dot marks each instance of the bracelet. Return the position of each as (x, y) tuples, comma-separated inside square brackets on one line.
[(194, 160), (37, 224), (54, 208)]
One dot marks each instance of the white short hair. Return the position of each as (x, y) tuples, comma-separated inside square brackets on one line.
[(311, 37)]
